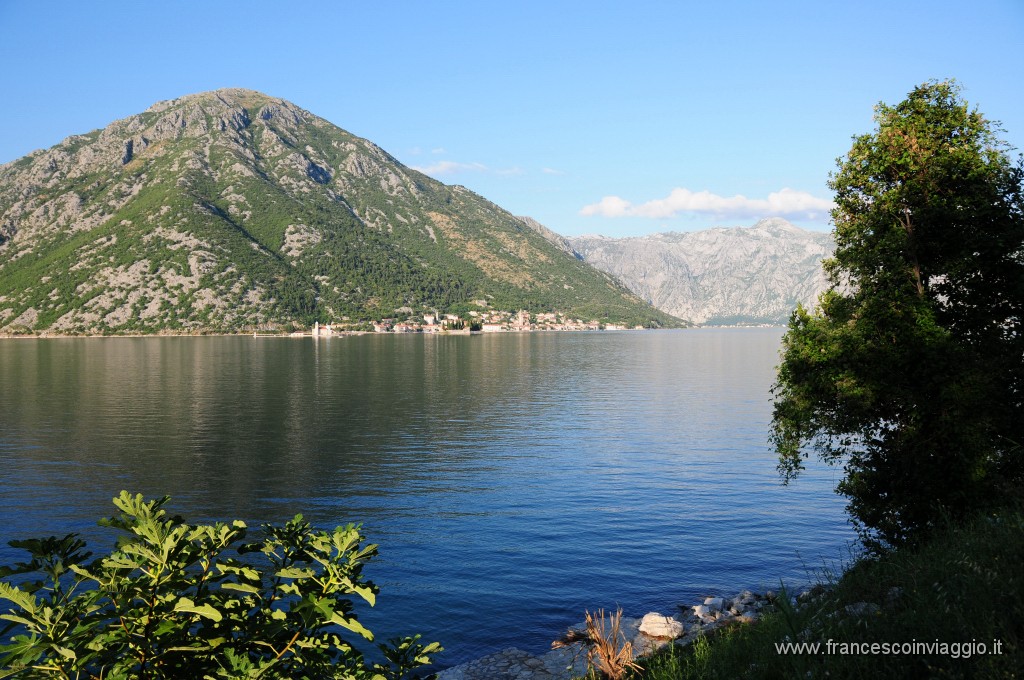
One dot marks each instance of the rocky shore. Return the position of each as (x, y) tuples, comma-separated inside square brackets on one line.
[(646, 634)]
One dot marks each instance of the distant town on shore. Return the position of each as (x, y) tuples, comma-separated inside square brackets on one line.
[(478, 322)]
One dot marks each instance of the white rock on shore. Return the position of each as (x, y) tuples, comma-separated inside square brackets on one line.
[(658, 626), (714, 603), (648, 634)]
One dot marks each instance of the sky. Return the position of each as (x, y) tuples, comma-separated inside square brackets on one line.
[(611, 118)]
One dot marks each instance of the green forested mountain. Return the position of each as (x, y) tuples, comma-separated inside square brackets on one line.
[(232, 210)]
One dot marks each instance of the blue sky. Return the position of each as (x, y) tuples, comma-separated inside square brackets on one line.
[(612, 118)]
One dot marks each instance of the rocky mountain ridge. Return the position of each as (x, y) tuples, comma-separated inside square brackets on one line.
[(719, 276)]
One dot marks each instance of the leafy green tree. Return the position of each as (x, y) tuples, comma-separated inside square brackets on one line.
[(911, 371), (169, 602)]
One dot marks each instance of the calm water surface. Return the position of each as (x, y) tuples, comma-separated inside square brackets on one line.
[(512, 480)]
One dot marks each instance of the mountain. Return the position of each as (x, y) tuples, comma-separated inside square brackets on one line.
[(233, 210), (553, 238), (741, 275)]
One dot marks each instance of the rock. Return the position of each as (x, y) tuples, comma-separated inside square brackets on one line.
[(701, 611), (813, 593), (861, 609), (714, 603), (508, 664), (659, 626), (566, 662), (629, 626), (317, 174), (644, 645)]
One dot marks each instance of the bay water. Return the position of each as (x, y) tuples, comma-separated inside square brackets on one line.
[(511, 480)]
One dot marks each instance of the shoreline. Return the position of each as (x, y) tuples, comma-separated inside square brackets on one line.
[(336, 334), (343, 334), (567, 657)]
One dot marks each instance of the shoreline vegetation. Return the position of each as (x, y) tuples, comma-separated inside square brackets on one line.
[(172, 600), (951, 605)]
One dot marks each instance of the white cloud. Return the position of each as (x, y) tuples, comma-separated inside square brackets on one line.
[(449, 168), (609, 206), (552, 171), (438, 150), (783, 203)]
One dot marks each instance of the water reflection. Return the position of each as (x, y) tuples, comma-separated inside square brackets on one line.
[(514, 477)]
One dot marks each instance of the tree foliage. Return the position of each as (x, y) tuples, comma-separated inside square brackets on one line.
[(911, 371), (169, 603)]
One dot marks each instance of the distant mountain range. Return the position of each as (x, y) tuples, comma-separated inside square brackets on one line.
[(721, 276), (232, 210)]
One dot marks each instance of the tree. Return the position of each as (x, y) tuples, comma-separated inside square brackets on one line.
[(911, 371), (169, 602)]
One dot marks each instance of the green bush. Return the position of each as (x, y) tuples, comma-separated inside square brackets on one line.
[(948, 607), (169, 603)]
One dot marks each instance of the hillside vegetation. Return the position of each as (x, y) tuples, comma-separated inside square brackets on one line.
[(232, 210)]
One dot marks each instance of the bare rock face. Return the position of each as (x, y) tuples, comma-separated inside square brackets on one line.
[(557, 240), (720, 276)]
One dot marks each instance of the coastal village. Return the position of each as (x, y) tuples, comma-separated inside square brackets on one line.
[(472, 322)]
